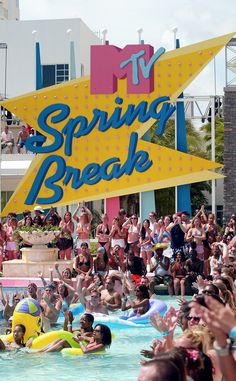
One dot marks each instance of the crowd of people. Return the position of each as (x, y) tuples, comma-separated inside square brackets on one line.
[(132, 259), (174, 250)]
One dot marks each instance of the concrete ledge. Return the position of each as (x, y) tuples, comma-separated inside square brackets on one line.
[(20, 269)]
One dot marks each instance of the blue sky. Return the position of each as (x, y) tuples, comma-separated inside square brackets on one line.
[(196, 20)]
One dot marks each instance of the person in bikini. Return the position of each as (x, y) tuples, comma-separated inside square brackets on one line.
[(83, 227), (133, 227), (103, 233)]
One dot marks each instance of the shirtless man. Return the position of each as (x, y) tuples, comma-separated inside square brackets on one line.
[(92, 303), (85, 325), (110, 298), (51, 304), (22, 137)]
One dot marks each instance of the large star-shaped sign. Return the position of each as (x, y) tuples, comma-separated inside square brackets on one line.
[(121, 163)]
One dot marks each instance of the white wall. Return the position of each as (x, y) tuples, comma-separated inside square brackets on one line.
[(54, 43)]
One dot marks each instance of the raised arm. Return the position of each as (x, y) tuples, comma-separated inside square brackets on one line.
[(58, 272), (90, 216), (74, 215), (40, 275)]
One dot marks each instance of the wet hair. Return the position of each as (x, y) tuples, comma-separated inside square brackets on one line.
[(23, 330), (165, 370), (144, 290), (22, 327), (65, 293), (105, 333), (89, 318)]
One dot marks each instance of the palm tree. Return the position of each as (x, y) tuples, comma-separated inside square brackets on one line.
[(219, 139), (165, 198)]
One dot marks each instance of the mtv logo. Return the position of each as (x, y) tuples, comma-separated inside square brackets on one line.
[(135, 62)]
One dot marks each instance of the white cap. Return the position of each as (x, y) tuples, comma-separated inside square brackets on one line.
[(39, 208)]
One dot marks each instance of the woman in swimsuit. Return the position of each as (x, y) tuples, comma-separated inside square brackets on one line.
[(146, 242), (164, 235), (2, 243), (11, 249), (103, 233), (118, 237), (65, 244), (197, 234), (211, 229), (100, 340), (18, 339), (101, 265), (133, 227), (84, 263), (83, 227)]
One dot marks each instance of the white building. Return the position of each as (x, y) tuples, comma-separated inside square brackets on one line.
[(18, 70), (9, 10)]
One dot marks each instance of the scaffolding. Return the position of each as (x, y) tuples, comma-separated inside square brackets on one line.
[(230, 63)]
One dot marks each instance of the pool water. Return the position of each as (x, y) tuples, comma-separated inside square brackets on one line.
[(121, 361)]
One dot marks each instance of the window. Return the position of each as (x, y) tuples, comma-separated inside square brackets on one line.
[(54, 74), (81, 70), (5, 197)]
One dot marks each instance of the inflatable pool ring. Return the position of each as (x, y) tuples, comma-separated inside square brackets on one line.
[(156, 306), (27, 313), (47, 338), (78, 352), (75, 308)]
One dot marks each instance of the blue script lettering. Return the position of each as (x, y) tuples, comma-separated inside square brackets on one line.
[(79, 126), (42, 121), (90, 175)]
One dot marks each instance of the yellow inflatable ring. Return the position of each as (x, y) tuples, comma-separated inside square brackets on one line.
[(78, 352), (43, 340)]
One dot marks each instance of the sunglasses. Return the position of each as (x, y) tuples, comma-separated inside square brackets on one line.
[(96, 330), (195, 318)]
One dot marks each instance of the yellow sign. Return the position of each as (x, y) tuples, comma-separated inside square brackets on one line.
[(89, 143)]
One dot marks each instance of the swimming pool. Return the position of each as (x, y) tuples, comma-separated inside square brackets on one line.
[(121, 362)]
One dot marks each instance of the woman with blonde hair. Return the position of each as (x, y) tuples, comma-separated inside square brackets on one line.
[(83, 227), (198, 341)]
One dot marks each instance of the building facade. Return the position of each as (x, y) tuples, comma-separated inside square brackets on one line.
[(18, 73)]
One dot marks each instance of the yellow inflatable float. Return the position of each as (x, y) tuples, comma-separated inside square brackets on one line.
[(27, 313)]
